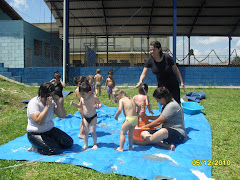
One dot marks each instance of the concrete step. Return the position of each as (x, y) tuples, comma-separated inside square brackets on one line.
[(7, 74), (17, 78)]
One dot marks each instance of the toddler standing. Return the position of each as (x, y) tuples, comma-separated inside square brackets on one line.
[(98, 81), (91, 83), (59, 85), (88, 105), (142, 98), (78, 81), (129, 107), (110, 84)]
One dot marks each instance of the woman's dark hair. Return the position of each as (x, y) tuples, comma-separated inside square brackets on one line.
[(84, 87), (45, 89), (79, 79), (157, 44), (56, 75), (143, 89), (162, 92)]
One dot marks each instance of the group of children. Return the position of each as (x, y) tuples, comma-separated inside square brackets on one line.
[(133, 108), (98, 80)]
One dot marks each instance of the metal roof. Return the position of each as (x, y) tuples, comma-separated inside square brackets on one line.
[(149, 17)]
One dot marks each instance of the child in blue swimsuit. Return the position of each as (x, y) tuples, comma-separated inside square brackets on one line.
[(87, 107)]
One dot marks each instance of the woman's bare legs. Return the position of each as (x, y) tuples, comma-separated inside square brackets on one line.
[(155, 139)]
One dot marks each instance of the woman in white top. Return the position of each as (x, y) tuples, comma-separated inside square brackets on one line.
[(44, 137)]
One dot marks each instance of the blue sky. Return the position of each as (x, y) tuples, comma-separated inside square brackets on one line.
[(32, 11), (36, 11)]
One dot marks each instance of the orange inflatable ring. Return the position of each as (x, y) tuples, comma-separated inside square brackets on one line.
[(137, 131)]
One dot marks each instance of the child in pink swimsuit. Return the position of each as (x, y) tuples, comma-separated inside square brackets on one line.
[(142, 98)]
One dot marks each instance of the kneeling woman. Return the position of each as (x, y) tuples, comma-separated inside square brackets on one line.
[(44, 137), (173, 130)]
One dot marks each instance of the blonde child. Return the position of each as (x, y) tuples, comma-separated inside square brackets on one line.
[(98, 81), (110, 84), (128, 106), (78, 81), (87, 106), (142, 98), (91, 83)]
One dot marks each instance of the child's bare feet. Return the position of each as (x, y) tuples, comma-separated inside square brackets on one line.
[(172, 147), (81, 135), (84, 148), (119, 149), (32, 148), (94, 147)]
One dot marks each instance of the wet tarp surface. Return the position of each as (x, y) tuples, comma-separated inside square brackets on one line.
[(145, 162)]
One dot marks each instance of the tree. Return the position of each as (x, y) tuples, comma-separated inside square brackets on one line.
[(236, 61)]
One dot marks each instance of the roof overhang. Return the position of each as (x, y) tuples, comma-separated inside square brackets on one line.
[(149, 17)]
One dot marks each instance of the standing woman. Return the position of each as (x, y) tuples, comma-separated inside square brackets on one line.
[(164, 68), (44, 137)]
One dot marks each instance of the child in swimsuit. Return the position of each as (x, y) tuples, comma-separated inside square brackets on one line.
[(98, 81), (88, 105), (92, 83), (110, 84), (142, 98), (78, 81), (59, 85), (129, 107)]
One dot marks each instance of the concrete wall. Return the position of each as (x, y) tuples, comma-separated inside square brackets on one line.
[(32, 33), (17, 45), (204, 76), (12, 43)]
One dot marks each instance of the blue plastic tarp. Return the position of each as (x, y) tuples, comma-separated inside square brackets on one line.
[(145, 162)]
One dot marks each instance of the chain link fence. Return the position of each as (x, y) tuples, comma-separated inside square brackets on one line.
[(133, 51)]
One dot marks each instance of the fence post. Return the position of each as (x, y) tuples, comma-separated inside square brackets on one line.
[(65, 41), (174, 28), (229, 50)]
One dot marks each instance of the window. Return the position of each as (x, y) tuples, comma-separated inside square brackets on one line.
[(56, 53), (47, 50), (37, 47)]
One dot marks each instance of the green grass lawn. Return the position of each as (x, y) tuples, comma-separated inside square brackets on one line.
[(221, 110)]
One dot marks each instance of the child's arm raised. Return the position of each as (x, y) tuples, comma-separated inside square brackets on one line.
[(120, 108), (148, 105), (78, 95), (98, 103), (76, 105), (63, 84)]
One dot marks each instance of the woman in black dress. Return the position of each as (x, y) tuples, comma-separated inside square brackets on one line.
[(164, 68)]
